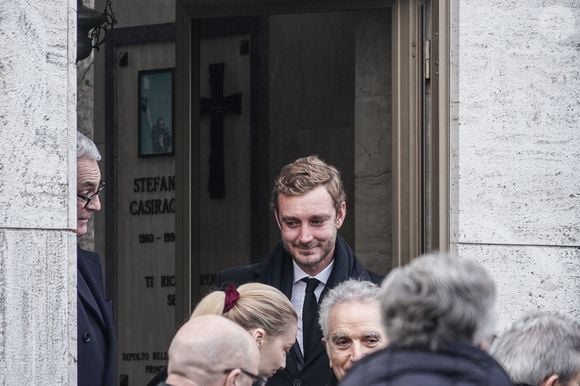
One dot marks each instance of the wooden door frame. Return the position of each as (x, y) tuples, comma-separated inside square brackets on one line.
[(408, 187)]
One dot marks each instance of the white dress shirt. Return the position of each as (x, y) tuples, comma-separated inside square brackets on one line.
[(299, 290)]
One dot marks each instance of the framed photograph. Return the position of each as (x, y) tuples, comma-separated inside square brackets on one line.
[(155, 112)]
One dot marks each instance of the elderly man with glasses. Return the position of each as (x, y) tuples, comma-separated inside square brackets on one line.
[(211, 350), (96, 334)]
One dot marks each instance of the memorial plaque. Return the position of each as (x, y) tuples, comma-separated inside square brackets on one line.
[(145, 189)]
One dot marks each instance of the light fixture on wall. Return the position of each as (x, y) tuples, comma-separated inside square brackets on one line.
[(92, 28)]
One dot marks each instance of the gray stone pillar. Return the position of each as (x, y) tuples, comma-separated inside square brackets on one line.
[(37, 192)]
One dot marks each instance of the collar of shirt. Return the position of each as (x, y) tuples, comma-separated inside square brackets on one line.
[(322, 276)]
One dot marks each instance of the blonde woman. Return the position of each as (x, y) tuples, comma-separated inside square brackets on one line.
[(265, 312)]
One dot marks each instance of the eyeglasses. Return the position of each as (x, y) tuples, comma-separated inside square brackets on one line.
[(90, 197), (258, 380)]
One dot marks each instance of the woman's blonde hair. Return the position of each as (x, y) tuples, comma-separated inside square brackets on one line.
[(259, 306)]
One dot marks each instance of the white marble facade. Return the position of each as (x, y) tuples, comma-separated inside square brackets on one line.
[(37, 194), (515, 186)]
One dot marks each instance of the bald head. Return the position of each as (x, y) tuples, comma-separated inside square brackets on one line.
[(205, 347)]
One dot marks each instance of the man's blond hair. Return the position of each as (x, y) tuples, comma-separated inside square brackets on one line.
[(306, 174)]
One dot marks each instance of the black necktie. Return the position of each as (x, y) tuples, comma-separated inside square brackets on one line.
[(311, 333)]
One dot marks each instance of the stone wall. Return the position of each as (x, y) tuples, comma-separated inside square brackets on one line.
[(37, 195), (515, 198), (372, 137)]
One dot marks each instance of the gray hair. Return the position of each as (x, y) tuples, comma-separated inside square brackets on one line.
[(438, 298), (539, 345), (349, 290), (86, 148)]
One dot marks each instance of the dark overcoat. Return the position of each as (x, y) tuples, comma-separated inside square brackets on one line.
[(97, 361), (458, 363)]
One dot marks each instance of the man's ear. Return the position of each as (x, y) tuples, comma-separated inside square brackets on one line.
[(552, 380), (340, 214), (484, 344), (325, 343), (277, 219), (232, 377)]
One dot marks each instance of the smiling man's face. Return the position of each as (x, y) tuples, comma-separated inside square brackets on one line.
[(308, 225)]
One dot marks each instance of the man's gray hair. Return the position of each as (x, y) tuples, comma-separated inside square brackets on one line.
[(86, 148), (350, 290), (539, 345), (438, 298)]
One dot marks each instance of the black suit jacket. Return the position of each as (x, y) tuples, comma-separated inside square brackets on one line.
[(278, 272), (97, 350)]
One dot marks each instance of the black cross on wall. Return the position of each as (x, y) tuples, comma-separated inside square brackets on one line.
[(217, 106)]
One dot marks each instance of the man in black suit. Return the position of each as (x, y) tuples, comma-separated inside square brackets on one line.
[(96, 343), (308, 201)]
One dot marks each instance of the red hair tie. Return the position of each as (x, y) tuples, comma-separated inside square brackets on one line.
[(232, 296)]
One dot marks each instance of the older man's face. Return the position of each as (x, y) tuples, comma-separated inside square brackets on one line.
[(88, 179), (354, 330)]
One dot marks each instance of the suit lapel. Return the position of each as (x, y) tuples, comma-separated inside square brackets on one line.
[(277, 271), (298, 359)]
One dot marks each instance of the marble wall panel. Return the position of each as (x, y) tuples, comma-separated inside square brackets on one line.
[(143, 265), (37, 307), (36, 104), (37, 192), (530, 278), (515, 147)]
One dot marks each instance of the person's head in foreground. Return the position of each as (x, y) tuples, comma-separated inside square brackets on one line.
[(351, 326), (438, 313), (210, 350), (541, 349), (263, 311)]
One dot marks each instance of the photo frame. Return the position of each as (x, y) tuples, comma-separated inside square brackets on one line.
[(155, 127)]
